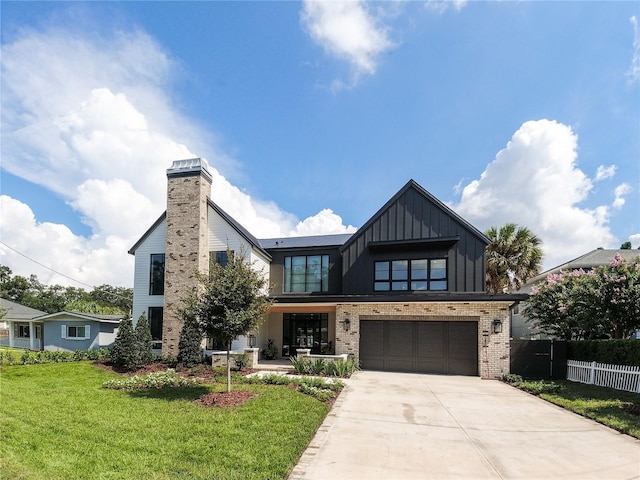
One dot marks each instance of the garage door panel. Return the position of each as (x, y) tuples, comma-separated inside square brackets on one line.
[(400, 339), (430, 365), (372, 345), (430, 339), (395, 364)]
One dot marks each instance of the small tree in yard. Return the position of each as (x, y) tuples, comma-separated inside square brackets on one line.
[(231, 302), (190, 344), (125, 349), (144, 341)]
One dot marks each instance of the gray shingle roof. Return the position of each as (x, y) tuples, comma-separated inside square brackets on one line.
[(15, 311), (306, 242), (592, 259)]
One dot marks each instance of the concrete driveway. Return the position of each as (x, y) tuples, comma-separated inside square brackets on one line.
[(401, 426)]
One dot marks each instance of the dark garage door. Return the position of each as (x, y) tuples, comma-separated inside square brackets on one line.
[(413, 346)]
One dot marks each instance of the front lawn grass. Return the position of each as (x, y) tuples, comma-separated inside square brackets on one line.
[(57, 422), (604, 405)]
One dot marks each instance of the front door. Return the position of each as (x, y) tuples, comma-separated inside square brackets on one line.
[(305, 330)]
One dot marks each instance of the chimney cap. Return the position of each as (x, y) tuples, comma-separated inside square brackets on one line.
[(189, 166)]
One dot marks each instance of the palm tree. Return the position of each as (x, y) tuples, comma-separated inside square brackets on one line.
[(513, 257)]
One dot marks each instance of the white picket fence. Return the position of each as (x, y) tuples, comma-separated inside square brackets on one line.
[(620, 377)]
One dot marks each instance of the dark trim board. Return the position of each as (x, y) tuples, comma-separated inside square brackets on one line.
[(446, 347)]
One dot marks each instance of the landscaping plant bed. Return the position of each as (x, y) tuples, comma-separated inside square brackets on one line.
[(233, 398)]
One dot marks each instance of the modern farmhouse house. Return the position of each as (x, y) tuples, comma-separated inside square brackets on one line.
[(406, 292)]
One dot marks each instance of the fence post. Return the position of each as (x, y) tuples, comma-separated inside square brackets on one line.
[(592, 376)]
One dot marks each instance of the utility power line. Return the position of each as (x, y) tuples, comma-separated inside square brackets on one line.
[(57, 272)]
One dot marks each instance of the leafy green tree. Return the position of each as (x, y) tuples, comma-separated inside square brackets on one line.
[(626, 246), (513, 257), (125, 353), (91, 307), (232, 301), (30, 292), (190, 343), (144, 347), (602, 303)]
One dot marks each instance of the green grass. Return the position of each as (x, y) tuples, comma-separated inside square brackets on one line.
[(56, 422), (604, 405)]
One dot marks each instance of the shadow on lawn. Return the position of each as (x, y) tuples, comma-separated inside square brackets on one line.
[(171, 394)]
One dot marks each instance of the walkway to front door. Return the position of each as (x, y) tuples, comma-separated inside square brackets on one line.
[(401, 425)]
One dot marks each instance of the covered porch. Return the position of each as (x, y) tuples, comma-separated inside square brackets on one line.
[(291, 327)]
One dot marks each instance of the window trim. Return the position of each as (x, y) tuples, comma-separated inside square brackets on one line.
[(403, 279)]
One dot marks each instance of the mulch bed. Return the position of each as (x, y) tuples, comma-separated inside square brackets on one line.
[(632, 408), (225, 399)]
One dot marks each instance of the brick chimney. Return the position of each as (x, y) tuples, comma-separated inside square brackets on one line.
[(187, 248)]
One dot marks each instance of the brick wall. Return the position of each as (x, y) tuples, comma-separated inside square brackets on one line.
[(187, 249), (493, 349)]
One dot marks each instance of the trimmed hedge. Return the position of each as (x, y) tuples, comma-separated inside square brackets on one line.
[(615, 352)]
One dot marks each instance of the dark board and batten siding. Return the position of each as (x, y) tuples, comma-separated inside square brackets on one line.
[(413, 215)]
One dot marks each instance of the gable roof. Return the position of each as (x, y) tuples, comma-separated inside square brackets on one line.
[(412, 184), (18, 312), (94, 317), (253, 241)]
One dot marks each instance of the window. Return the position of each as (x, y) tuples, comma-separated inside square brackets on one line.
[(22, 331), (221, 257), (155, 324), (76, 332), (156, 284), (414, 275), (306, 273)]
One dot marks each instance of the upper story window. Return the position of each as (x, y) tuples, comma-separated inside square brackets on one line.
[(406, 275), (156, 283), (306, 273)]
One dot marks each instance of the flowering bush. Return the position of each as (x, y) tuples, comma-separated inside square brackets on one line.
[(152, 380), (601, 303)]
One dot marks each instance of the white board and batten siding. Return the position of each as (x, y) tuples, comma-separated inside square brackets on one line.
[(154, 243)]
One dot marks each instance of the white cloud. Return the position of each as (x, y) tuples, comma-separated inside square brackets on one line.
[(620, 191), (635, 240), (441, 6), (605, 172), (349, 31), (94, 261), (535, 182), (324, 222), (88, 117), (634, 70)]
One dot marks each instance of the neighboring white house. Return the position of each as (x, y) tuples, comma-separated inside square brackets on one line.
[(520, 327)]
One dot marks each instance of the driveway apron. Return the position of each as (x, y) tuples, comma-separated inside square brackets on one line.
[(402, 426)]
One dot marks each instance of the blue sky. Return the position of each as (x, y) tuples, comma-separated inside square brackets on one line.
[(311, 116)]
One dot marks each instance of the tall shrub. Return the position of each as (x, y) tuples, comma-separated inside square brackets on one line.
[(144, 340), (125, 348), (190, 343)]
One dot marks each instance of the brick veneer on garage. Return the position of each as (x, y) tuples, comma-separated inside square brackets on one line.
[(493, 349)]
